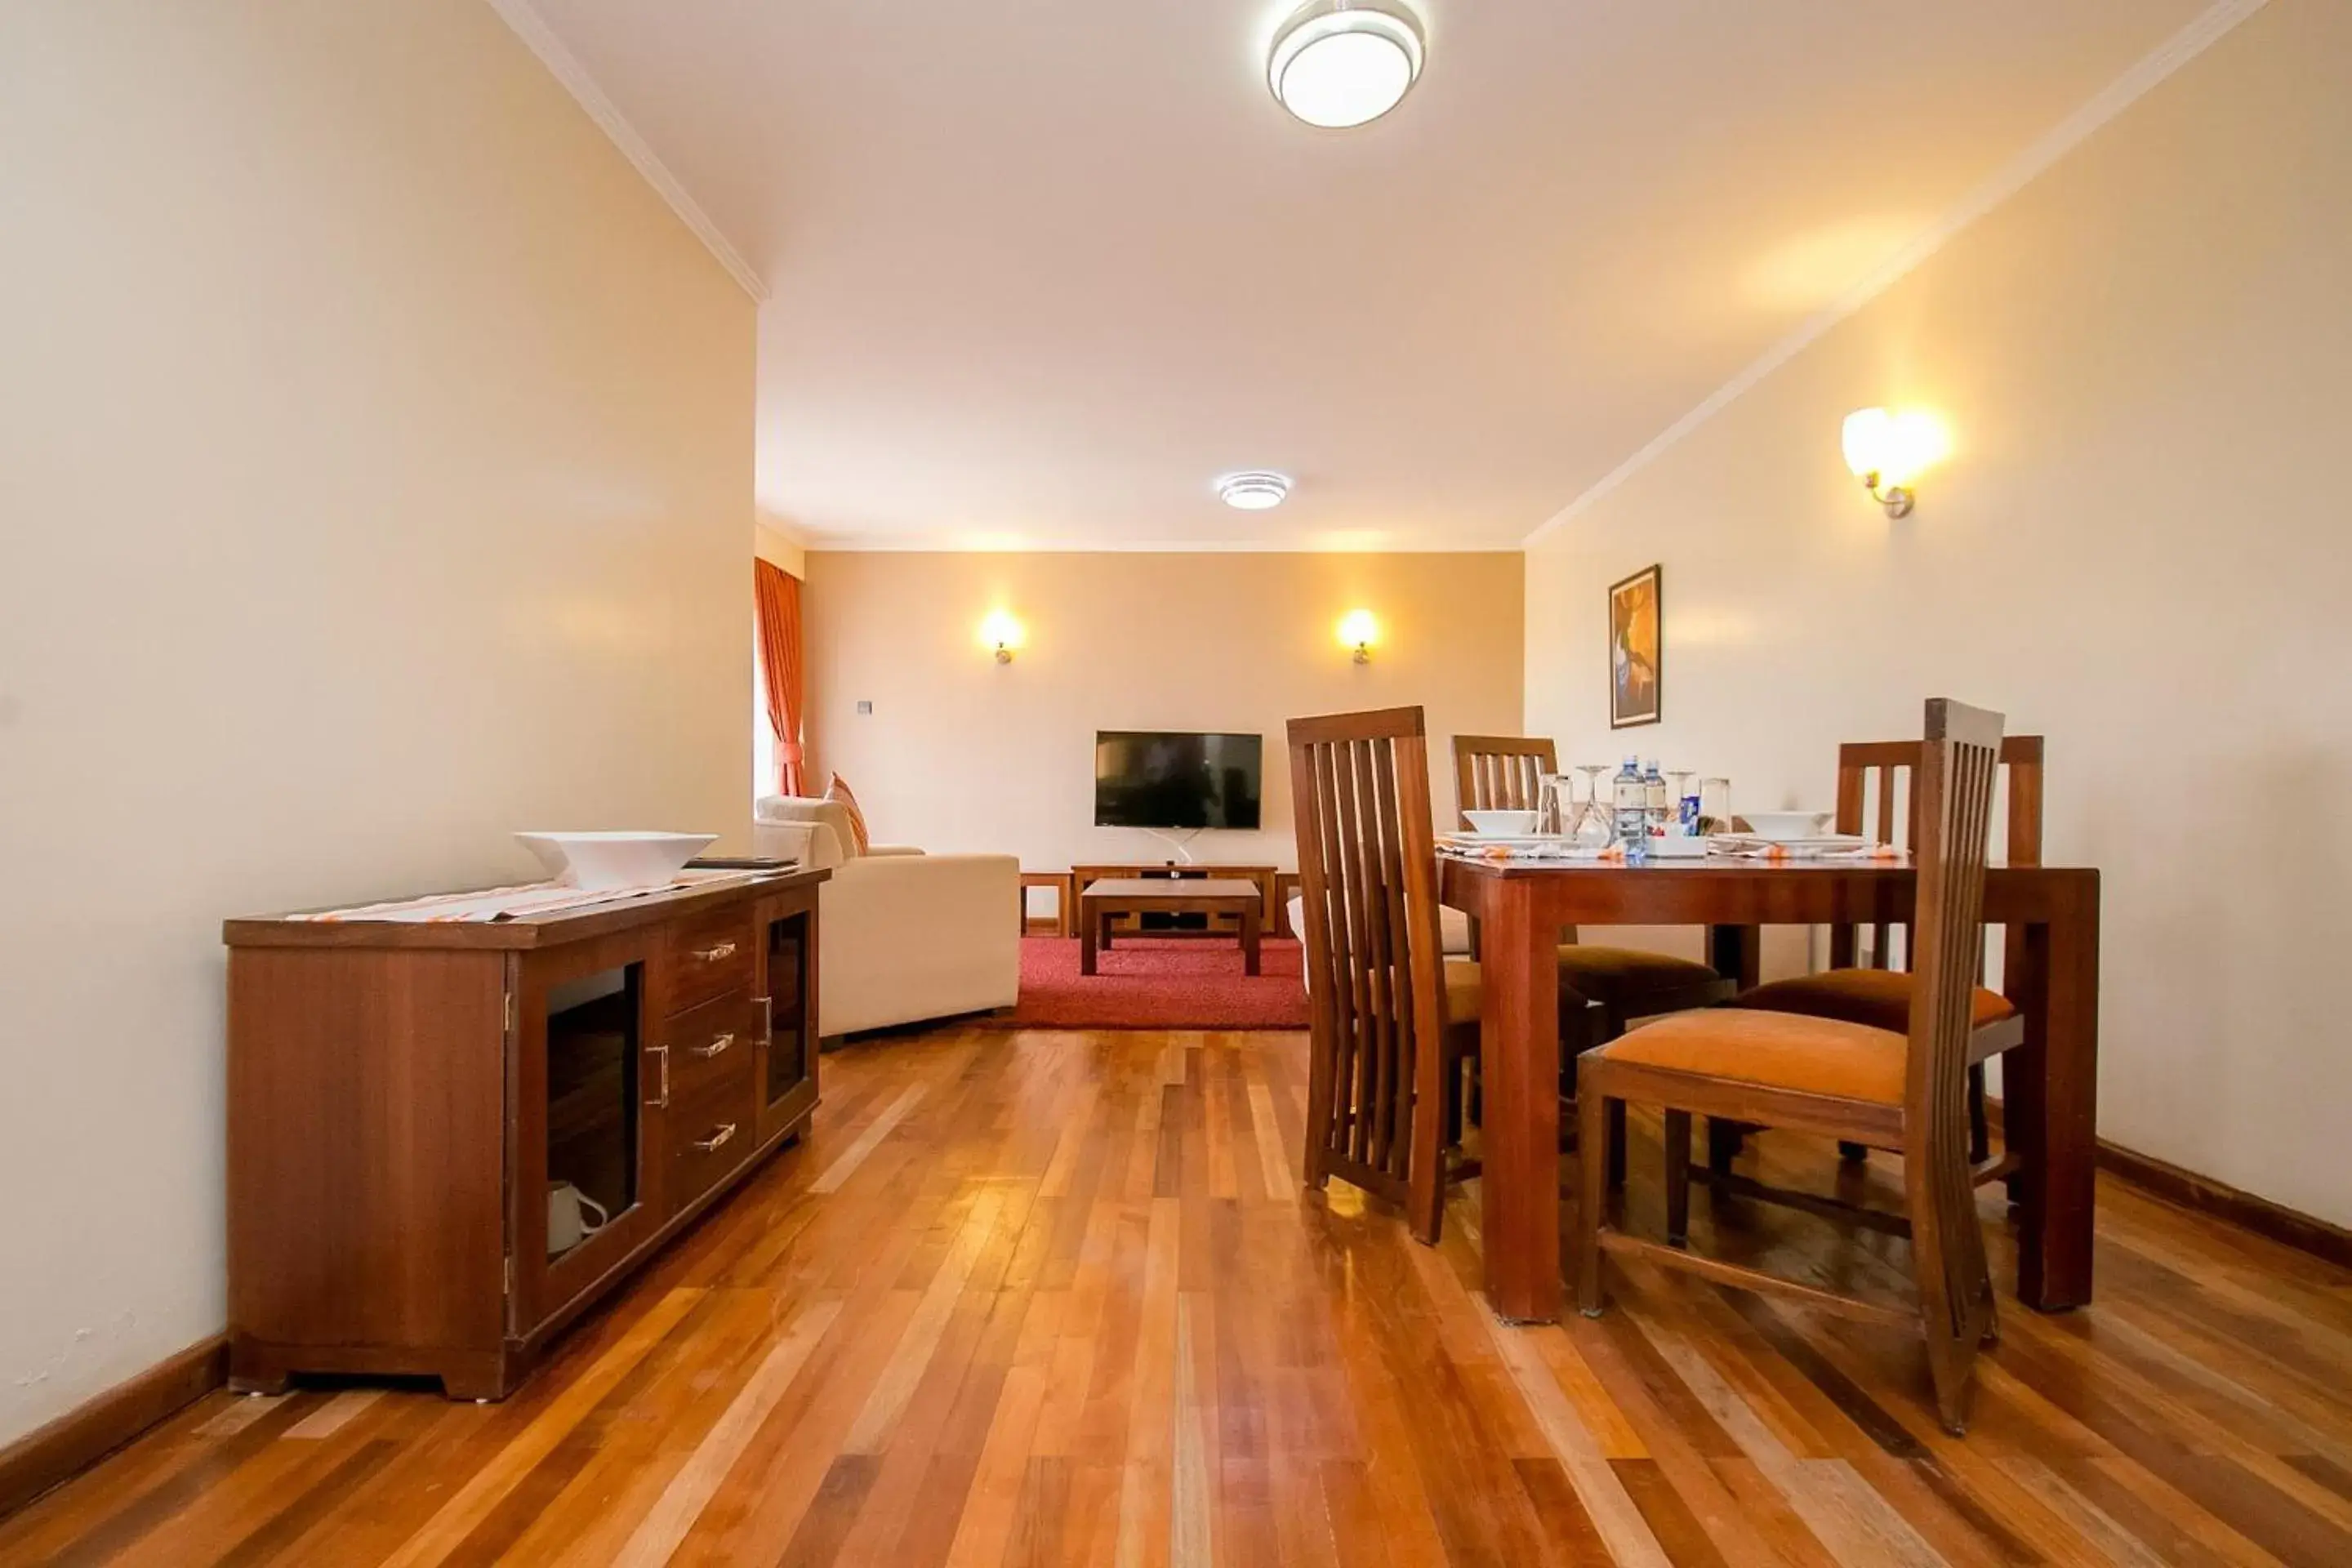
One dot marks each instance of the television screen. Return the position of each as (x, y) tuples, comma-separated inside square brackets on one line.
[(1150, 779)]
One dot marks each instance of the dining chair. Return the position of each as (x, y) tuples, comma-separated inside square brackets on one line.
[(1902, 1091), (1862, 986), (1500, 772), (1602, 989), (1392, 1019)]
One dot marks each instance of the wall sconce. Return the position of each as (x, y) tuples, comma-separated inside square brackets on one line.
[(1002, 634), (1360, 632), (1887, 451)]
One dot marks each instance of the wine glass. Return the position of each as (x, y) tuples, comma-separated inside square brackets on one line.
[(1595, 824)]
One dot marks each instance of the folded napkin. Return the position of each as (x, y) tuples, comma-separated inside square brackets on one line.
[(1469, 847), (1745, 847)]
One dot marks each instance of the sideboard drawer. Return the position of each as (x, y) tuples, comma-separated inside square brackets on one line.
[(709, 955), (710, 1134), (709, 1043)]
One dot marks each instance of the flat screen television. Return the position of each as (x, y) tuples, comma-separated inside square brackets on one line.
[(1175, 780)]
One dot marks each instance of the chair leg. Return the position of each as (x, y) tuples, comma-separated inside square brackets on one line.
[(1591, 1192), (1853, 1153), (1979, 1129), (1722, 1144), (1616, 1145), (1678, 1141), (1454, 1094)]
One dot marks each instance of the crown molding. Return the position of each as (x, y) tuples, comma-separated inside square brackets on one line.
[(2209, 27), (853, 544), (565, 66)]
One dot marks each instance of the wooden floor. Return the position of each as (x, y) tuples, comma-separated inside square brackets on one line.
[(1030, 1298)]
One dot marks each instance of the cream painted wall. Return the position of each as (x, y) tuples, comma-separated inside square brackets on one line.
[(961, 753), (376, 455), (2138, 550)]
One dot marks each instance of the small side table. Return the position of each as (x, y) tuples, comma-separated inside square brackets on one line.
[(1065, 900)]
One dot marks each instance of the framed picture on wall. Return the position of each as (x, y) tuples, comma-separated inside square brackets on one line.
[(1635, 628)]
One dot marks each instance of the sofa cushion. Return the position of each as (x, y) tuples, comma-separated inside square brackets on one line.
[(857, 841)]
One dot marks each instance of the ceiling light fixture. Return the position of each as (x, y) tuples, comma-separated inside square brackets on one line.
[(1255, 491), (1337, 63)]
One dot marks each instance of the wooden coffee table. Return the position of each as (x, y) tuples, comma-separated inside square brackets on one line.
[(1115, 895)]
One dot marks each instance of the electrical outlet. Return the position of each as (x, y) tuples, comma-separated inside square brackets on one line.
[(865, 705)]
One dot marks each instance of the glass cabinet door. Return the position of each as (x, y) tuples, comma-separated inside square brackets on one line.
[(585, 1119), (787, 1001), (592, 1055)]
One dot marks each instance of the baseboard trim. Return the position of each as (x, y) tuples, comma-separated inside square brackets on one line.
[(2187, 1189), (49, 1456)]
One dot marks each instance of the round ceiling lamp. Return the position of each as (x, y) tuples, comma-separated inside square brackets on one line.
[(1257, 491), (1338, 63)]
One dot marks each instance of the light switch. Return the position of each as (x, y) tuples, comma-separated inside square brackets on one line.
[(865, 705)]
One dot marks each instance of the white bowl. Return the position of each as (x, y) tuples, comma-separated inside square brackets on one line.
[(1782, 826), (607, 862), (1503, 822)]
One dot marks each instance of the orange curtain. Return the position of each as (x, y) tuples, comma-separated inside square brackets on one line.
[(777, 593)]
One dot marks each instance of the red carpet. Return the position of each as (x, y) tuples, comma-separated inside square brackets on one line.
[(1158, 985)]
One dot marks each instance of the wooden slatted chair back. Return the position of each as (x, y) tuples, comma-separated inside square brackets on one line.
[(1873, 774), (1367, 865), (1959, 768), (1501, 773)]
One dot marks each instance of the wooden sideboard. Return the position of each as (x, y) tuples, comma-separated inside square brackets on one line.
[(1268, 878), (404, 1100)]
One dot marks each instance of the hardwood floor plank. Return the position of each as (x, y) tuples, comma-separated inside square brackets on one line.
[(1044, 1299), (682, 1502)]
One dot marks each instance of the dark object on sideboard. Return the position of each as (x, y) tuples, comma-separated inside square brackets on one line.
[(445, 1141)]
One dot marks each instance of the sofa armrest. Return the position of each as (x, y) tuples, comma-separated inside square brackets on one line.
[(785, 841), (907, 937)]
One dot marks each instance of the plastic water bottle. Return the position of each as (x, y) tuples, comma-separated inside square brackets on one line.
[(1632, 798), (1657, 800)]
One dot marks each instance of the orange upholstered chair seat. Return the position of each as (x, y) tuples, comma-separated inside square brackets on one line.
[(1598, 974), (1775, 1050), (1601, 974), (1878, 997)]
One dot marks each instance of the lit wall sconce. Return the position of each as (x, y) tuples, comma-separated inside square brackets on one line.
[(1002, 634), (1887, 452), (1360, 632)]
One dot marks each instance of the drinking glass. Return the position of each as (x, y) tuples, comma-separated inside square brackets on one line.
[(1715, 806), (1682, 777), (1595, 824), (1556, 797)]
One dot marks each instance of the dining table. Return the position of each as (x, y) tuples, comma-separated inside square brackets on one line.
[(2050, 971)]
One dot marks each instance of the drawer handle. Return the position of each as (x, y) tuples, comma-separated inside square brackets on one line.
[(717, 1140), (724, 950), (663, 1052), (716, 1046)]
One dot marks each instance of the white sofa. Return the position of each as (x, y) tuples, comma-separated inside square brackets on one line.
[(902, 936)]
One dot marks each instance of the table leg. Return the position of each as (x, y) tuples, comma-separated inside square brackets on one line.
[(1519, 1046), (2050, 1111), (1089, 937), (1250, 941), (1737, 952)]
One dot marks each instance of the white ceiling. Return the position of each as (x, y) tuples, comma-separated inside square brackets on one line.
[(1043, 269)]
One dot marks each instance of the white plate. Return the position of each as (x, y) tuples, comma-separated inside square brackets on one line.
[(1735, 841), (1513, 838), (607, 862)]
